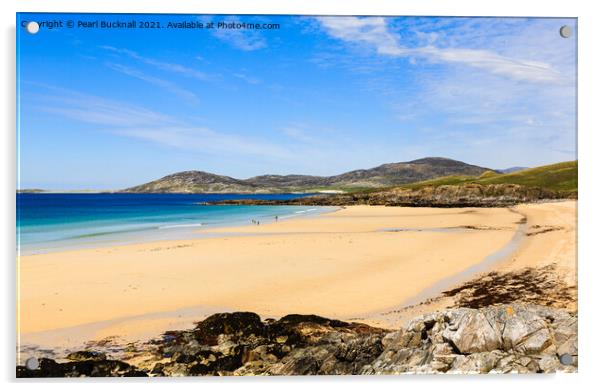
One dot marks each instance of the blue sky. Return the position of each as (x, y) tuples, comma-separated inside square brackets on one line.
[(110, 108)]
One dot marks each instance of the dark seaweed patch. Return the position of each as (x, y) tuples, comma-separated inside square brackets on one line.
[(533, 285)]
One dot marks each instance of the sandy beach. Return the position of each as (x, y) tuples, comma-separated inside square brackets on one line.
[(350, 263)]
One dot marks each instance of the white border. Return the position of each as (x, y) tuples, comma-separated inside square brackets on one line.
[(590, 33)]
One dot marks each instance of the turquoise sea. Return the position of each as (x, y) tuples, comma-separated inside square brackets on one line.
[(54, 222)]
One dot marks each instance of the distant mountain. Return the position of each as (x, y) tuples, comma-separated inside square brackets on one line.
[(26, 191), (390, 174), (511, 169), (194, 182)]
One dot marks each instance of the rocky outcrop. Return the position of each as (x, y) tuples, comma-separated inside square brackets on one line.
[(442, 196), (517, 338), (514, 338), (240, 344)]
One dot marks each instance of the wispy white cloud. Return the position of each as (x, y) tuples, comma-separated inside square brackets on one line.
[(162, 65), (162, 83), (96, 110), (243, 39), (504, 93), (494, 121), (298, 133), (133, 121), (369, 30), (204, 140), (376, 33), (304, 149), (518, 69), (247, 78)]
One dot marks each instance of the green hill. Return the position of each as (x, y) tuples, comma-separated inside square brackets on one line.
[(561, 177)]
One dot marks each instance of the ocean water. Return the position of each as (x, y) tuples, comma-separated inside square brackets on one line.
[(54, 222)]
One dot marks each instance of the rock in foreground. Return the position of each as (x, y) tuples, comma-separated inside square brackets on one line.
[(83, 368), (517, 338)]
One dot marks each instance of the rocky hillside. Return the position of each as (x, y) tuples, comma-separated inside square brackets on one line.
[(465, 195), (518, 338), (384, 175), (489, 189)]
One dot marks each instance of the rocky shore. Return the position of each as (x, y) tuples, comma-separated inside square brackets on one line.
[(450, 196), (509, 338)]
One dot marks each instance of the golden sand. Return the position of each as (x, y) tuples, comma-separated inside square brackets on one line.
[(338, 265)]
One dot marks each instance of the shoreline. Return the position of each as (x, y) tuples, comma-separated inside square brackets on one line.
[(169, 233), (334, 233), (483, 266)]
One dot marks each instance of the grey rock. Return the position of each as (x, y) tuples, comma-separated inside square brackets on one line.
[(512, 363), (549, 364), (514, 338), (481, 362), (472, 333), (565, 337), (526, 332)]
